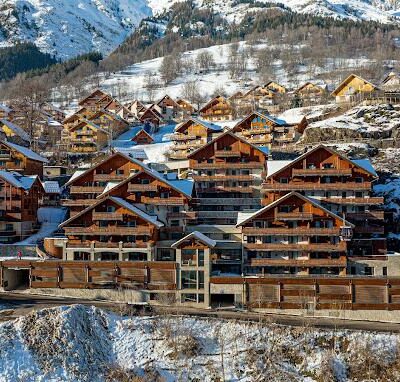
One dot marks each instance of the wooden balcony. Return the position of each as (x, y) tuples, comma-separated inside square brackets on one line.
[(182, 215), (186, 146), (321, 172), (109, 177), (5, 155), (218, 214), (86, 189), (108, 216), (261, 130), (299, 231), (227, 201), (293, 216), (379, 215), (182, 137), (142, 187), (173, 229), (284, 138), (224, 178), (369, 229), (101, 244), (178, 155), (227, 154), (230, 165), (316, 186), (259, 141), (358, 201), (111, 230), (7, 233), (77, 202), (310, 263), (320, 247), (174, 201), (246, 190)]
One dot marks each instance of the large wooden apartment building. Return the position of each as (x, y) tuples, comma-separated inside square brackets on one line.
[(342, 185), (191, 135), (217, 109)]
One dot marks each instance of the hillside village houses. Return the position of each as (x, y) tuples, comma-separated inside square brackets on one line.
[(232, 225)]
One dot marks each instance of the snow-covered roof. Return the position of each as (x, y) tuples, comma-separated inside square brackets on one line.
[(366, 165), (51, 187), (135, 153), (5, 108), (207, 125), (16, 129), (110, 186), (18, 180), (274, 166), (183, 185), (244, 219), (151, 219), (76, 174), (196, 235), (26, 152)]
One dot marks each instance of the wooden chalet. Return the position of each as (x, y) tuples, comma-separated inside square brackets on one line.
[(110, 122), (151, 119), (218, 109), (190, 135), (186, 109), (156, 194), (142, 137), (264, 130), (111, 229), (126, 115), (310, 92), (342, 185), (56, 113), (17, 158), (77, 117), (136, 107), (20, 197), (168, 108), (90, 102), (85, 186), (227, 173), (277, 88), (113, 106), (86, 137), (294, 235), (352, 87)]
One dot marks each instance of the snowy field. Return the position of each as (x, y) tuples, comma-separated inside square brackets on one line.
[(86, 344)]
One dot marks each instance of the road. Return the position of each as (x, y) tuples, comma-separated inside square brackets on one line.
[(21, 304)]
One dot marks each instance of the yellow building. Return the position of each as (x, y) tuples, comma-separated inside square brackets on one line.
[(352, 86)]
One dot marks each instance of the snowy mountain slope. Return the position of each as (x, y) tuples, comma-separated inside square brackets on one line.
[(67, 28)]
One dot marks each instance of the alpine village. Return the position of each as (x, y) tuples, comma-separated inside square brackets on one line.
[(242, 212)]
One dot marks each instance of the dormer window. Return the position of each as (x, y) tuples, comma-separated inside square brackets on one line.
[(327, 165)]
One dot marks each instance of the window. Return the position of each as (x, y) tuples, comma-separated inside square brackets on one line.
[(175, 209), (120, 171), (164, 195), (384, 271), (226, 236), (200, 255), (103, 223), (283, 180), (174, 223), (131, 223), (145, 181), (201, 280), (368, 271), (284, 208), (188, 297), (359, 180), (111, 209), (189, 279), (327, 165)]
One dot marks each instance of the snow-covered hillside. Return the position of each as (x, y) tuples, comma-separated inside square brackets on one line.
[(86, 344), (68, 28)]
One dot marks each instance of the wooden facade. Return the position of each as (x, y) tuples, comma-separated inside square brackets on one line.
[(142, 138), (91, 101), (218, 109), (191, 135), (109, 122), (87, 137), (352, 86)]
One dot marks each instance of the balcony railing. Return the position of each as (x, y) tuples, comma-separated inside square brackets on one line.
[(303, 231), (227, 201), (111, 230), (182, 137), (246, 190), (341, 262), (174, 201), (189, 145), (86, 189), (5, 233), (321, 172), (101, 244), (257, 131), (236, 165), (227, 154), (182, 215), (369, 229), (178, 155), (293, 216), (320, 247), (316, 186), (351, 201), (380, 215), (222, 177), (109, 177), (77, 202), (218, 214), (108, 216), (142, 187)]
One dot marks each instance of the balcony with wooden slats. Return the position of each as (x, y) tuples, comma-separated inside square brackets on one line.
[(77, 202), (369, 229), (222, 177), (293, 216), (303, 231), (246, 190), (227, 154), (110, 230), (106, 216), (302, 186), (100, 244), (230, 165), (353, 201), (314, 247), (182, 137), (142, 187), (177, 155), (182, 215), (173, 201), (373, 215), (257, 131), (86, 189), (341, 262), (322, 172), (227, 201), (109, 177)]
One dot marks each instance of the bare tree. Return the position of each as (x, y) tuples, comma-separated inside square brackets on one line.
[(205, 61)]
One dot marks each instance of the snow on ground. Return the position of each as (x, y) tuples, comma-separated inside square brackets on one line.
[(78, 343), (50, 218)]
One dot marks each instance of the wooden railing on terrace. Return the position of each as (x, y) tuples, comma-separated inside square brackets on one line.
[(303, 231), (142, 187), (107, 216), (360, 201), (111, 230), (316, 186), (226, 154), (109, 177), (222, 177), (314, 247), (340, 262), (321, 172), (86, 189), (293, 216), (236, 165), (164, 201)]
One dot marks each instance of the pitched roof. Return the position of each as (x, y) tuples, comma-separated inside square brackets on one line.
[(306, 84), (347, 80), (198, 236), (228, 132), (278, 201), (18, 180), (212, 101), (16, 129), (123, 203), (360, 163), (25, 151), (207, 125), (78, 174), (279, 122), (141, 131), (51, 187), (166, 96), (92, 94)]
